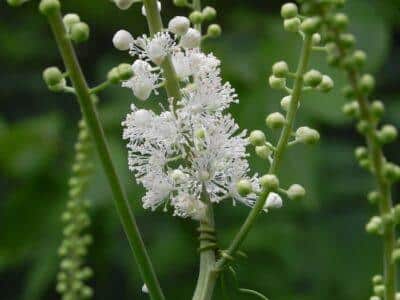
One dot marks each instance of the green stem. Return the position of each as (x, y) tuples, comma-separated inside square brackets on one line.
[(92, 119), (280, 150)]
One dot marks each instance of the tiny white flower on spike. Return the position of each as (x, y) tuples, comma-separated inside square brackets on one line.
[(191, 39), (179, 25), (122, 40), (144, 8), (145, 289), (177, 175), (273, 201), (124, 4)]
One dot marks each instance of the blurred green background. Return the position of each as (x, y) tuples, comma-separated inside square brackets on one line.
[(315, 249)]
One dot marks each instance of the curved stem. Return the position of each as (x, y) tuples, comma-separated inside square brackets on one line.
[(280, 150), (92, 119)]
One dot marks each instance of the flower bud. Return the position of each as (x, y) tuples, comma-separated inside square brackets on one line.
[(113, 75), (313, 78), (275, 120), (269, 182), (340, 21), (379, 290), (363, 127), (87, 292), (257, 138), (145, 290), (366, 83), (391, 172), (244, 187), (377, 279), (289, 10), (122, 40), (292, 24), (285, 103), (191, 39), (359, 58), (351, 109), (387, 134), (326, 84), (124, 4), (273, 201), (375, 225), (52, 76), (125, 71), (296, 192), (280, 69), (196, 17), (209, 13), (48, 7), (307, 135), (144, 8), (70, 19), (396, 255), (377, 108), (16, 3), (80, 32), (373, 197), (179, 25), (348, 91), (214, 30), (361, 153), (347, 40), (316, 39), (180, 3), (310, 25), (263, 152), (277, 83)]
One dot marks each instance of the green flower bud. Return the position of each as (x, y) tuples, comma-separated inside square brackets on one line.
[(307, 135), (377, 279), (180, 3), (70, 19), (113, 75), (396, 255), (289, 10), (280, 69), (275, 120), (244, 187), (316, 39), (196, 17), (361, 153), (16, 3), (310, 25), (326, 84), (351, 109), (269, 182), (277, 83), (379, 290), (125, 71), (209, 13), (59, 87), (263, 151), (377, 108), (340, 21), (313, 78), (257, 138), (80, 32), (214, 30), (365, 163), (347, 40), (87, 292), (391, 171), (48, 7), (348, 92), (387, 134), (375, 225), (374, 197), (359, 58), (366, 83), (292, 24), (52, 76), (363, 127), (296, 192), (61, 287)]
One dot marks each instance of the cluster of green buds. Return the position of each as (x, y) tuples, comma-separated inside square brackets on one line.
[(56, 80), (73, 273)]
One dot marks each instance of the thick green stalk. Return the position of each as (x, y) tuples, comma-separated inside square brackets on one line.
[(92, 119), (280, 150)]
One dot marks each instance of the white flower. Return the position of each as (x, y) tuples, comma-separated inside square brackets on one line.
[(122, 40), (144, 8), (179, 25), (191, 39), (273, 201), (145, 289)]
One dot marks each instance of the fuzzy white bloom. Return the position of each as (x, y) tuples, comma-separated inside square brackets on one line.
[(179, 25), (191, 39), (122, 40), (273, 201), (144, 8)]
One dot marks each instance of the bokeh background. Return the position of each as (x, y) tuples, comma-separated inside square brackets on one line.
[(315, 249)]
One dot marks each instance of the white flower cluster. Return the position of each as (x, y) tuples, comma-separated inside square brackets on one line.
[(194, 150)]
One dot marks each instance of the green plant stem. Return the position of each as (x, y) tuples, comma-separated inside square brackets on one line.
[(92, 119), (280, 150)]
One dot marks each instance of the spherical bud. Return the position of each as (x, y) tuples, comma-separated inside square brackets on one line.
[(316, 39), (340, 21), (348, 91), (366, 83), (275, 120), (361, 153), (313, 78), (377, 279), (273, 201), (125, 71), (70, 19), (122, 40), (379, 290), (124, 4), (277, 83), (209, 13), (191, 39), (179, 25), (180, 3), (310, 25), (373, 197), (289, 10), (59, 87), (52, 76), (387, 134), (263, 151), (113, 75), (80, 32), (359, 58), (144, 8), (48, 7), (307, 135), (391, 172), (244, 187), (285, 103), (269, 182), (16, 3), (377, 108), (375, 225), (196, 17), (280, 69), (214, 30), (351, 109), (257, 138), (86, 292), (296, 192), (326, 84), (363, 127), (292, 24), (347, 40)]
